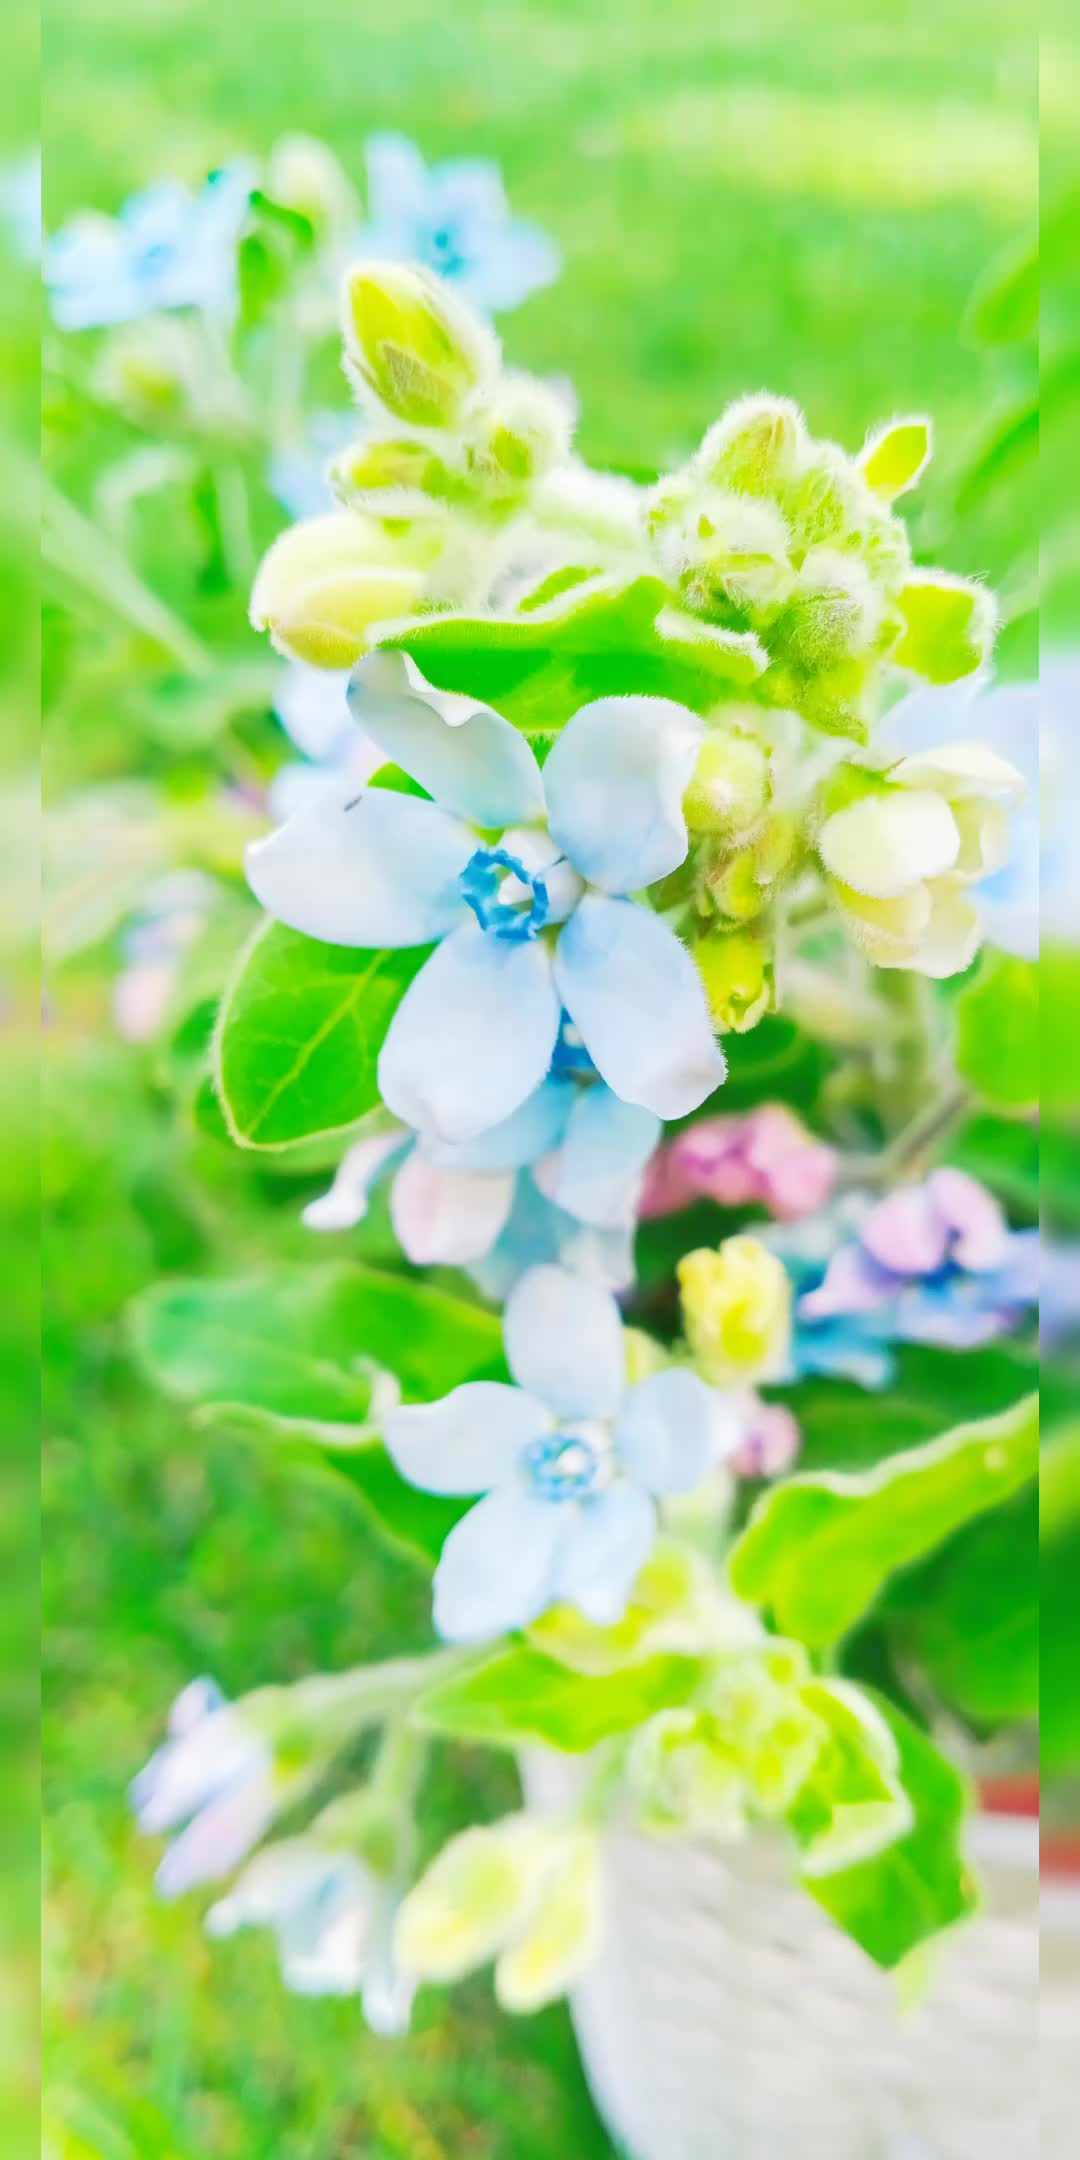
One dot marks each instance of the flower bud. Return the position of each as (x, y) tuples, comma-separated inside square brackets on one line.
[(754, 446), (736, 967), (685, 1779), (326, 582), (303, 175), (736, 1306), (736, 552), (391, 477), (522, 431), (414, 343), (730, 788), (740, 884), (834, 613)]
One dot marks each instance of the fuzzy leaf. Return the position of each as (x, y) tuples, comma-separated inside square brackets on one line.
[(818, 1549), (299, 1033), (518, 1698), (948, 626), (601, 638)]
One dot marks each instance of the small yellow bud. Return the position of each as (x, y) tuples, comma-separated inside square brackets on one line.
[(412, 341), (736, 1306), (736, 967), (730, 787), (325, 583)]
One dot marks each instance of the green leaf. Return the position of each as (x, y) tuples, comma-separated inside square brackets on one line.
[(1011, 445), (842, 1428), (968, 1618), (948, 626), (1059, 1573), (1005, 304), (852, 1803), (416, 1521), (1059, 992), (997, 1031), (818, 1549), (519, 1698), (921, 1882), (300, 1341), (603, 638), (299, 1033)]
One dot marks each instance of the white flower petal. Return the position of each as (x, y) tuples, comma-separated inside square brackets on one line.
[(606, 1544), (448, 1217), (672, 1429), (596, 1174), (476, 765), (636, 997), (374, 868), (469, 1441), (886, 844), (564, 1343), (961, 769), (615, 782), (498, 1566), (472, 1037), (346, 1202)]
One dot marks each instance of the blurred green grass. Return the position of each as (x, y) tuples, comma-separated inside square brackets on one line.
[(800, 196)]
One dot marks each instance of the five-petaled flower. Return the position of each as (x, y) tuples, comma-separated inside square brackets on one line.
[(169, 248), (333, 1920), (215, 1777), (455, 219), (571, 1461), (523, 880)]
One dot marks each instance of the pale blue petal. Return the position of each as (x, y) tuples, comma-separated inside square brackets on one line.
[(397, 179), (564, 1343), (473, 762), (522, 1138), (518, 261), (605, 1547), (375, 868), (672, 1429), (467, 1442), (636, 997), (311, 706), (615, 782), (473, 1035), (598, 1171), (497, 1566)]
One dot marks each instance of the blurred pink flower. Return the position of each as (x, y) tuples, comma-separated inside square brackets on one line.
[(771, 1443), (767, 1158)]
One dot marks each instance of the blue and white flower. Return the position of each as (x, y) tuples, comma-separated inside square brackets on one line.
[(169, 248), (570, 1461), (214, 1780), (333, 1919), (454, 219), (560, 1179), (312, 706), (523, 880)]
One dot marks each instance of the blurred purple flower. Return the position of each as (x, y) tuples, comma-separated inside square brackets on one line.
[(767, 1159)]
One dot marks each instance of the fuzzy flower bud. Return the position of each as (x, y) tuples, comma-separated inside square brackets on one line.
[(754, 446), (736, 967), (900, 847), (414, 343), (735, 551), (324, 584), (736, 1305), (730, 788), (522, 431), (391, 477), (741, 883), (304, 175)]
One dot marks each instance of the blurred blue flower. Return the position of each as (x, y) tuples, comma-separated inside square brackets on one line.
[(213, 1780), (312, 706), (297, 475), (931, 1263), (455, 219), (1059, 1292), (570, 1461), (560, 1179), (169, 248), (520, 879), (333, 1920)]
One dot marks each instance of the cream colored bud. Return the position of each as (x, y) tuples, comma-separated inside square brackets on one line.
[(326, 582), (730, 788), (303, 175)]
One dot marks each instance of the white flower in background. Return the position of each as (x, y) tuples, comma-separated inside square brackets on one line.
[(214, 1782), (333, 1919), (902, 848), (525, 1891)]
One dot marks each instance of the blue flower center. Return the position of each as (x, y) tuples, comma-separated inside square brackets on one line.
[(507, 900), (562, 1465)]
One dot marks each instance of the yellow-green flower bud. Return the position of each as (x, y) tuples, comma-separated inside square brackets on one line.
[(394, 477), (325, 583), (754, 446), (736, 551), (412, 341), (520, 433), (685, 1779), (736, 1306), (740, 884), (835, 611), (736, 967), (730, 788)]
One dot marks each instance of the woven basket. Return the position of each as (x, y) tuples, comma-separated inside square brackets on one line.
[(728, 2019)]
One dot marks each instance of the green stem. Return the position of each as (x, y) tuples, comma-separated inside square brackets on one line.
[(329, 1709), (85, 553)]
